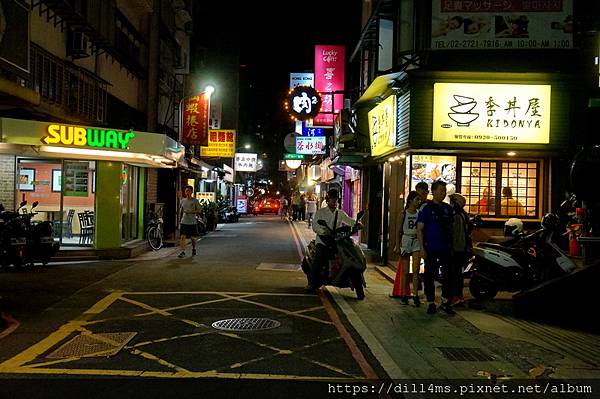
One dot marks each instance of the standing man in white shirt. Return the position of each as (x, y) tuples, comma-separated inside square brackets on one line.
[(334, 218), (189, 208)]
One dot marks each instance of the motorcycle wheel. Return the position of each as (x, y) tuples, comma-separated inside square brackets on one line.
[(482, 289)]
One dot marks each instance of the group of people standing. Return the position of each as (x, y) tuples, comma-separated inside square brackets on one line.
[(304, 207), (439, 233)]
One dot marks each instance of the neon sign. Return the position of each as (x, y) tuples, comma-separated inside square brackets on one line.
[(90, 137)]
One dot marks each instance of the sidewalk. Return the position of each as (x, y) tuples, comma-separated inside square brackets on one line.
[(410, 344)]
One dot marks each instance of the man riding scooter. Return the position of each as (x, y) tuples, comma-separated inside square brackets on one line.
[(333, 218)]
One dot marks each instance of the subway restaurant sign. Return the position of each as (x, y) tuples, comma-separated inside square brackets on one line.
[(491, 113), (87, 137)]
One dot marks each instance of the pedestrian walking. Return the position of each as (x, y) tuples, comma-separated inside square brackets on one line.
[(295, 205), (434, 230), (311, 208), (407, 245), (462, 248), (189, 208), (302, 208)]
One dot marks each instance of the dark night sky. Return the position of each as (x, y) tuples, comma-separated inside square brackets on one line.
[(275, 38)]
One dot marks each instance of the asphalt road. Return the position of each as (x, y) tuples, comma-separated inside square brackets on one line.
[(144, 327)]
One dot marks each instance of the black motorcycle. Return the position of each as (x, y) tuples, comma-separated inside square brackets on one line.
[(24, 242), (347, 261)]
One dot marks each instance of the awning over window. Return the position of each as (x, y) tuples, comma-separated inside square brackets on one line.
[(379, 89)]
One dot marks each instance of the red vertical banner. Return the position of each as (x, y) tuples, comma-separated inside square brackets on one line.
[(329, 77), (194, 119)]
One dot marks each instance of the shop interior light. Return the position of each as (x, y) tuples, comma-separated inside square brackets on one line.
[(100, 154), (511, 153)]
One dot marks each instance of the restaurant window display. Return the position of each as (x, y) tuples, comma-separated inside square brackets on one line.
[(431, 168), (501, 189), (65, 194)]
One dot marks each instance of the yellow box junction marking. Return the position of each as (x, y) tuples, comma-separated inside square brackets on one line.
[(19, 363)]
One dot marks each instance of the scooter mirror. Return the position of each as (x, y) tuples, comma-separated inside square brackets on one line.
[(322, 223), (36, 203), (22, 204)]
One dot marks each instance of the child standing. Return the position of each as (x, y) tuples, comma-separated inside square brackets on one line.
[(408, 246)]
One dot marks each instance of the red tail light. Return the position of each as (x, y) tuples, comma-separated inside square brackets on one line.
[(276, 206)]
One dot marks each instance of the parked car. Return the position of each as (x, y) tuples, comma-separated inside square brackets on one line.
[(267, 206)]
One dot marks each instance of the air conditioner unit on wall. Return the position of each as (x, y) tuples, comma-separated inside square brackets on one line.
[(77, 45)]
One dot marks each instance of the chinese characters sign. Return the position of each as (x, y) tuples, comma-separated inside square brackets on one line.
[(382, 126), (501, 24), (303, 103), (245, 162), (310, 145), (194, 119), (329, 77), (221, 143), (491, 113)]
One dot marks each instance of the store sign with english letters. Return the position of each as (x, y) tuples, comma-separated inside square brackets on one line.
[(491, 113), (87, 137)]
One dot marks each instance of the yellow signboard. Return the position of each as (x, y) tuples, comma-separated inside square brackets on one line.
[(491, 113), (382, 126), (221, 143)]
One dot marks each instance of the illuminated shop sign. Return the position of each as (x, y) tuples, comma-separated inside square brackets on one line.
[(303, 103), (382, 126), (310, 145), (309, 131), (491, 113), (87, 137)]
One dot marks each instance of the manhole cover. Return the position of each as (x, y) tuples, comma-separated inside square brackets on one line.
[(92, 345), (246, 324), (465, 354)]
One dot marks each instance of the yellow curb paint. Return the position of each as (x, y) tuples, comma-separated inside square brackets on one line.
[(172, 338)]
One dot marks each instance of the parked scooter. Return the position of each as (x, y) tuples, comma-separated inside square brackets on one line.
[(13, 237), (518, 264), (23, 242), (347, 262), (41, 246)]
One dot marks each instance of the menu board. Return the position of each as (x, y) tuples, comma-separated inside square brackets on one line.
[(75, 179), (431, 168)]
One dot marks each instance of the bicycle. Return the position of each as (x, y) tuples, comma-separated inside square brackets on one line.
[(154, 231)]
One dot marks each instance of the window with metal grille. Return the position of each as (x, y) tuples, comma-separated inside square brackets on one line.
[(78, 91), (501, 189)]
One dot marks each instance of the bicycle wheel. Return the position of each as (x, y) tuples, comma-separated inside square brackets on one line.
[(155, 238)]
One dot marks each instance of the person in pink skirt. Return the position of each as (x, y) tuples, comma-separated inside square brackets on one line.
[(408, 246)]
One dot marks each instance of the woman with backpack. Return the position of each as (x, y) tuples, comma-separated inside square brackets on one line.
[(462, 247)]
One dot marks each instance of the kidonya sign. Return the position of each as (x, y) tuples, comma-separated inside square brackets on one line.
[(87, 137), (491, 113)]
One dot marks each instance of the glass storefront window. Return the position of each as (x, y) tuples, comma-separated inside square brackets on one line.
[(513, 194), (65, 192)]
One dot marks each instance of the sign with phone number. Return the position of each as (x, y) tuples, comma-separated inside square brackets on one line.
[(475, 44)]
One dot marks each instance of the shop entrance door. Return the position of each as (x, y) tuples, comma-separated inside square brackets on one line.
[(129, 202), (65, 192)]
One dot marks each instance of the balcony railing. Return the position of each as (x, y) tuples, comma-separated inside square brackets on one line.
[(76, 91)]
